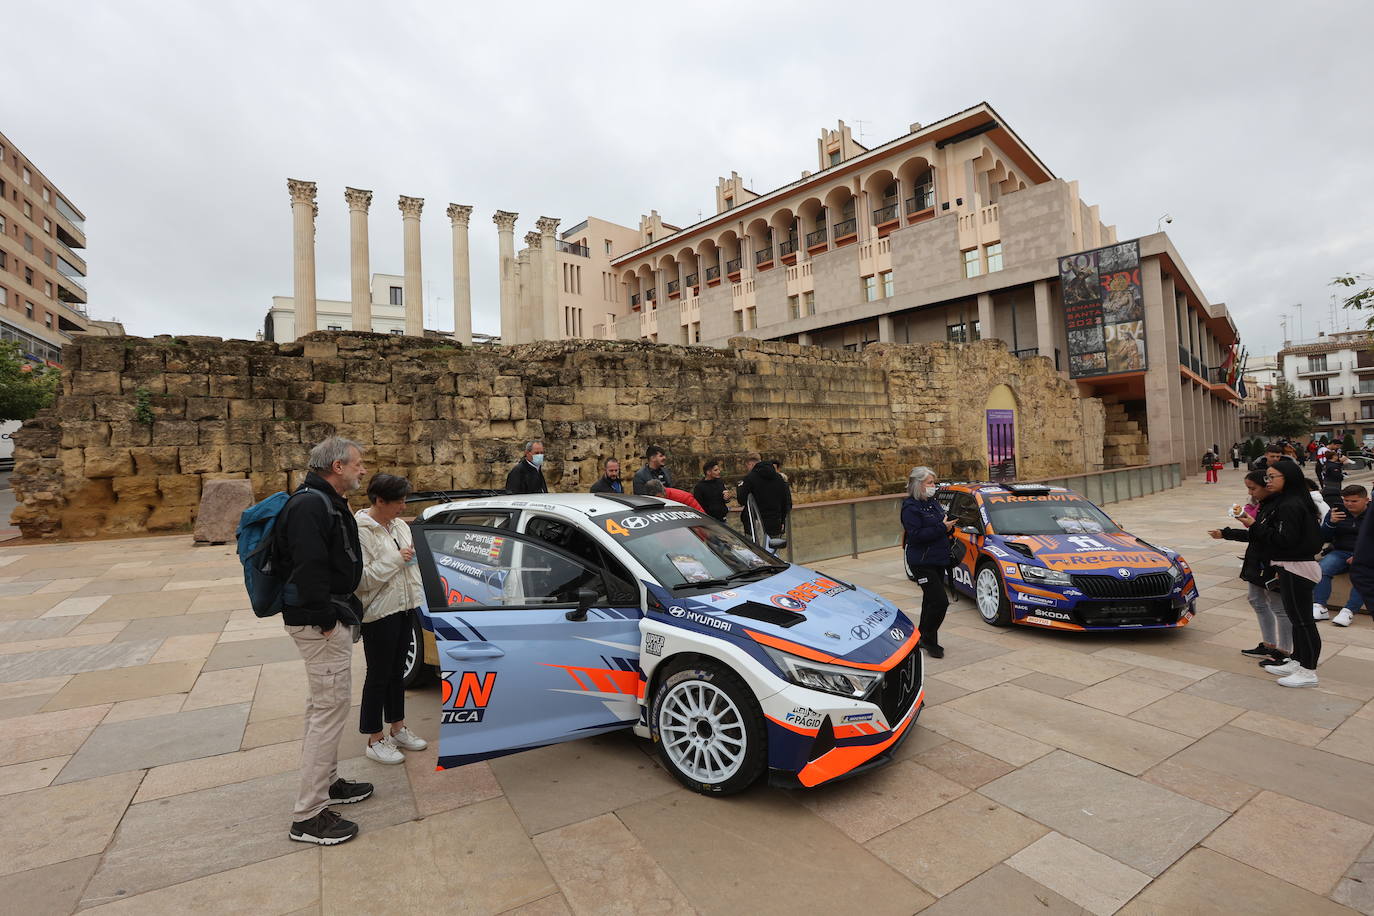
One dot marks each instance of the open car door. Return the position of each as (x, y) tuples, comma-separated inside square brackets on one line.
[(531, 652)]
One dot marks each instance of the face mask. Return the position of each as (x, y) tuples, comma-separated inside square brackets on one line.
[(537, 461)]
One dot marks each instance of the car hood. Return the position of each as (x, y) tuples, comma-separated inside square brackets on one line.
[(1089, 553), (799, 608)]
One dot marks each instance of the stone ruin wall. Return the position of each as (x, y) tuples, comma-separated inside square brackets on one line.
[(141, 424)]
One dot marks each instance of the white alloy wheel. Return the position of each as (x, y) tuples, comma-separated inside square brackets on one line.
[(988, 594), (702, 731)]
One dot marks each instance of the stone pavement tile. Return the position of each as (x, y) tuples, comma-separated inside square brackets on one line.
[(1356, 888), (108, 626), (124, 571), (58, 642), (141, 605), (960, 650), (176, 839), (1133, 821), (1315, 707), (103, 586), (1304, 773), (444, 790), (274, 731), (1206, 786), (881, 800), (15, 589), (237, 635), (552, 905), (580, 856), (282, 885), (58, 823), (918, 740), (1353, 739), (716, 852), (1348, 669), (938, 691), (170, 627), (164, 705), (1189, 714), (477, 857), (31, 665), (1157, 663), (220, 688), (64, 586), (221, 770), (956, 842), (43, 745), (220, 599), (26, 607), (1048, 683), (282, 690), (1071, 666), (987, 673), (963, 764), (48, 722), (1132, 747), (142, 743), (118, 684), (22, 706), (40, 686), (1098, 883), (1206, 883), (983, 736), (1282, 728), (1121, 695), (252, 652), (75, 607), (1005, 892), (564, 783), (1296, 842), (20, 630), (52, 890), (21, 777), (180, 648), (177, 584)]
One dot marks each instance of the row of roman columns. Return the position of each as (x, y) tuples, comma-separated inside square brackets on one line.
[(304, 209)]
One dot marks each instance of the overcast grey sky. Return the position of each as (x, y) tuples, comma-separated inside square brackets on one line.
[(174, 126)]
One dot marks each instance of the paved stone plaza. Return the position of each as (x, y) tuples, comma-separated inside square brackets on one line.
[(152, 731)]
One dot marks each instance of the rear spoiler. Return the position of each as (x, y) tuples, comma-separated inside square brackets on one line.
[(434, 496)]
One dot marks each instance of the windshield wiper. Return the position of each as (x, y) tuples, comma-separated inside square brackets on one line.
[(768, 570), (703, 583)]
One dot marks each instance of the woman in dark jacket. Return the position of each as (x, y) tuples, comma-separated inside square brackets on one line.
[(1285, 536), (926, 539)]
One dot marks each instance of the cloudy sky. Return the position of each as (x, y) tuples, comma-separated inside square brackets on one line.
[(174, 126)]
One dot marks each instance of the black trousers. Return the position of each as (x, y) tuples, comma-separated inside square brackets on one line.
[(385, 642), (934, 602), (1296, 593)]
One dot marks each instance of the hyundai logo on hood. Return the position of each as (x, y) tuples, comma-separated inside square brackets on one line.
[(860, 632)]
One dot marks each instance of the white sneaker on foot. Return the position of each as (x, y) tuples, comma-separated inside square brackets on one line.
[(1287, 667), (385, 752), (1300, 678), (407, 740), (1319, 612), (1345, 618)]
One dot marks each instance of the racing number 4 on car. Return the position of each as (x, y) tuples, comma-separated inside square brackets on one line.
[(566, 616)]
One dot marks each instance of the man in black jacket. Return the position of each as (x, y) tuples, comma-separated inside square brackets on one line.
[(710, 491), (772, 497), (317, 540), (1341, 528), (528, 474), (610, 481)]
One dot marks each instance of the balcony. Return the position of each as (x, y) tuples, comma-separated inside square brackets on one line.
[(733, 267), (1314, 371), (582, 251), (922, 200), (651, 295), (673, 289), (1321, 395), (713, 275), (846, 228), (634, 301), (786, 247), (69, 214), (886, 214), (1360, 369), (1026, 353), (815, 238), (764, 256), (691, 280)]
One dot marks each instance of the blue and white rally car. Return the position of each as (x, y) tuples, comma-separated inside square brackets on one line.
[(1042, 555), (561, 616)]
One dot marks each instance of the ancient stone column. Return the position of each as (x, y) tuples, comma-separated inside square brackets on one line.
[(358, 203), (505, 234), (458, 215), (303, 246), (553, 318), (532, 260), (414, 288)]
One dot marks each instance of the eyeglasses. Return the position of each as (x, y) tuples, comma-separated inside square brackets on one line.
[(1273, 477)]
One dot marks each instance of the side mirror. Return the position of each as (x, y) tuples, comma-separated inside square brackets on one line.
[(971, 529), (586, 597)]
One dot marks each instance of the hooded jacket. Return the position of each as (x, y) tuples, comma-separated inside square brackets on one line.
[(389, 584), (772, 495)]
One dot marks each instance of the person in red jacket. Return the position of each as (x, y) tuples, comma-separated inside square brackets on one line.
[(656, 488)]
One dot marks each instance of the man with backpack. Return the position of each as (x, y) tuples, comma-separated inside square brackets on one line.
[(316, 539)]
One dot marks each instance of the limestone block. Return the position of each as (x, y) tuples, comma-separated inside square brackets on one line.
[(508, 386), (130, 433), (359, 413), (250, 410), (228, 364), (320, 349), (291, 456), (144, 361), (234, 458), (498, 408), (107, 462), (137, 489), (431, 478), (207, 408), (121, 408), (187, 384), (175, 432), (281, 367), (269, 388), (393, 413), (160, 459), (168, 406), (103, 355), (230, 386), (281, 432), (311, 392), (198, 459), (84, 433), (265, 483), (88, 522), (188, 359), (221, 504), (326, 413), (367, 370), (171, 518), (559, 412), (292, 410), (153, 384), (179, 489), (78, 408), (85, 381)]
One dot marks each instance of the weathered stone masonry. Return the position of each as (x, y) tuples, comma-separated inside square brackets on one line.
[(844, 424)]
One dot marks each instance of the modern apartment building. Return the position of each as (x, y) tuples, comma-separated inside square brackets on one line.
[(1261, 377), (388, 314), (1334, 375)]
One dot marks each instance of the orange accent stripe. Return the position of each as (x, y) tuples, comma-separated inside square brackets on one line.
[(1032, 590), (841, 760), (847, 731), (605, 680), (809, 732), (1043, 624), (885, 665)]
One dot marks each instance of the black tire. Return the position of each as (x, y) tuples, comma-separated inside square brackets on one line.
[(712, 676), (1001, 615), (417, 673)]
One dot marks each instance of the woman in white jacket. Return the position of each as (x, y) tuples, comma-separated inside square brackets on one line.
[(389, 592)]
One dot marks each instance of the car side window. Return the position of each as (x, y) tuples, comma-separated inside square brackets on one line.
[(617, 589), (965, 509), (481, 568), (483, 518)]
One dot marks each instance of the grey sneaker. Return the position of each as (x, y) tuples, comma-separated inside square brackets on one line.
[(324, 829), (407, 740)]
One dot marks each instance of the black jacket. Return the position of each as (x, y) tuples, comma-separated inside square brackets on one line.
[(927, 538), (1344, 534), (526, 478), (646, 474), (1284, 529), (711, 495), (1362, 562), (315, 545), (771, 493), (606, 485)]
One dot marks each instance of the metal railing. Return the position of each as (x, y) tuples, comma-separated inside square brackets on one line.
[(923, 199), (651, 294), (786, 247), (846, 227), (733, 267), (582, 251), (1026, 353), (1320, 370), (1329, 393), (1184, 357), (691, 280), (634, 299), (763, 255), (712, 273), (885, 214), (815, 238), (1197, 367), (673, 287)]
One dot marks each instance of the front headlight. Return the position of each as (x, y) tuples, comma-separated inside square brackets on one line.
[(837, 679), (1041, 574), (1175, 573)]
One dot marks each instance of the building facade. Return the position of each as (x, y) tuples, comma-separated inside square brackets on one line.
[(388, 314), (1334, 375)]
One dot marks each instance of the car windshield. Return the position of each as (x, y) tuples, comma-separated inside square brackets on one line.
[(684, 549), (1051, 513)]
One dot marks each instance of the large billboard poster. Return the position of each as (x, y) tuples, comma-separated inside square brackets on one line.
[(1104, 311)]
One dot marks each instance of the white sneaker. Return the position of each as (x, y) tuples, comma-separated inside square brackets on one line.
[(1287, 667), (385, 752), (1300, 678), (1319, 612), (1345, 618), (407, 740)]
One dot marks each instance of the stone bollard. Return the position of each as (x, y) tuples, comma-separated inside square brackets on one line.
[(221, 504)]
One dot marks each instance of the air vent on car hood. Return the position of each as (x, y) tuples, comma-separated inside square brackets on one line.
[(1021, 548), (767, 613)]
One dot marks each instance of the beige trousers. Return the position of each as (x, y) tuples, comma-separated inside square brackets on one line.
[(329, 670)]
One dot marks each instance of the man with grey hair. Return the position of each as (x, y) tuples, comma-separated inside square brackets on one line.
[(528, 474), (318, 542)]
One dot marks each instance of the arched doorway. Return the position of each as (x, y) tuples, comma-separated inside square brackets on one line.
[(1001, 434)]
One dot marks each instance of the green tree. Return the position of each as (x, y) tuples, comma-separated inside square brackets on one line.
[(25, 387), (1361, 295), (1284, 415), (1348, 443)]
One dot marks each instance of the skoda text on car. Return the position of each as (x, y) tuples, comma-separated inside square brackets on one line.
[(1047, 557), (560, 616)]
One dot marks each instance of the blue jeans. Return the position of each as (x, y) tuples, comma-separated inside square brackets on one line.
[(1335, 563)]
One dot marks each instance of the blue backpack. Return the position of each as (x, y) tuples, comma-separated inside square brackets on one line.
[(263, 567)]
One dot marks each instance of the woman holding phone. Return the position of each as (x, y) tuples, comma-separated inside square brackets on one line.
[(926, 539)]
